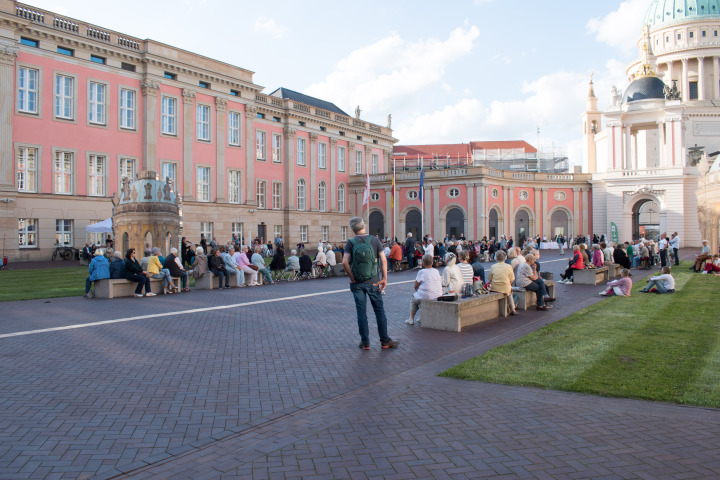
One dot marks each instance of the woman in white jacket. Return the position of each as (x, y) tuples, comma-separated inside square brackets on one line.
[(452, 278)]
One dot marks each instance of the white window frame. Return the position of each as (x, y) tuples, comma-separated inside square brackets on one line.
[(64, 99), (165, 168), (277, 231), (234, 129), (301, 194), (261, 194), (26, 169), (96, 168), (341, 158), (303, 233), (203, 122), (27, 232), (343, 233), (64, 232), (203, 183), (375, 164), (28, 91), (322, 156), (276, 148), (207, 229), (235, 186), (358, 162), (301, 151), (168, 115), (325, 229), (277, 195), (322, 196), (237, 230), (127, 101), (124, 171), (260, 144), (341, 198), (63, 175), (97, 102)]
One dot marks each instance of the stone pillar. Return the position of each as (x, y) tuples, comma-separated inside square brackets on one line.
[(250, 155), (661, 145), (628, 149), (685, 85), (470, 219), (8, 211), (436, 213), (538, 213), (671, 73), (546, 220), (716, 78), (511, 211), (481, 213), (333, 172), (576, 214), (314, 204), (701, 78), (150, 89), (290, 180), (506, 215), (220, 146), (188, 141), (585, 211)]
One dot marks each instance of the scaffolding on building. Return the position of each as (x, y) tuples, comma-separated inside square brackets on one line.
[(516, 160)]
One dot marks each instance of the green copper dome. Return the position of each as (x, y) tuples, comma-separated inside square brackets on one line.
[(661, 13)]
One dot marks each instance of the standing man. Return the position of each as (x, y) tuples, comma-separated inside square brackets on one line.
[(410, 251), (360, 262), (675, 245), (663, 247)]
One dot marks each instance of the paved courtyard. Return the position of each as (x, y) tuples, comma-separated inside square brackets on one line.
[(269, 383)]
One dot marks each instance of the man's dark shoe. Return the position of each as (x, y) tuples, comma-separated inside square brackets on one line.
[(389, 343), (364, 346), (550, 299)]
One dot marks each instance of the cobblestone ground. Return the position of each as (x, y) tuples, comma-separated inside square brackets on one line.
[(268, 382)]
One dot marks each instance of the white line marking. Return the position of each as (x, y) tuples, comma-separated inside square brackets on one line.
[(170, 314)]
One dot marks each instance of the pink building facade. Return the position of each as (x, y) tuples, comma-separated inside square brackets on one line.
[(83, 107)]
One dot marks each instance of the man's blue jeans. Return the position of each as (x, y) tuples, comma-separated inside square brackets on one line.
[(657, 284), (360, 291)]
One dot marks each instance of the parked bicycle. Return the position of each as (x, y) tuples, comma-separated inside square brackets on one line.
[(66, 253)]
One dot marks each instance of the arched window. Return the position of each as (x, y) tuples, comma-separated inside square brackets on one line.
[(301, 194), (322, 195), (341, 198)]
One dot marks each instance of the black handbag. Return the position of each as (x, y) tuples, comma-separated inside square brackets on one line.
[(448, 297)]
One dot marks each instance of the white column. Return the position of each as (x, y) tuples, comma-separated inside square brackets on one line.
[(545, 218), (8, 55), (470, 219), (481, 213), (627, 164), (661, 145), (671, 72), (511, 211), (188, 120), (585, 212), (313, 184), (576, 216), (701, 78), (250, 156), (685, 84), (716, 77), (220, 141), (436, 214)]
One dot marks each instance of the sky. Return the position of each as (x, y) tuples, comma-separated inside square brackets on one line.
[(448, 72)]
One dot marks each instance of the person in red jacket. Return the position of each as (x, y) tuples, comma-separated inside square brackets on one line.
[(576, 263)]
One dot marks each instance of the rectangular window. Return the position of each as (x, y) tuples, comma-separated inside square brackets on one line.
[(66, 51), (206, 230), (28, 90), (169, 116), (260, 145), (96, 175), (322, 155), (277, 231), (276, 119), (96, 59), (97, 238), (63, 172), (64, 97), (64, 233), (237, 230), (203, 122), (325, 233), (169, 170), (26, 169), (704, 33), (202, 84), (127, 108), (303, 233), (693, 91), (343, 234), (234, 93), (276, 195), (170, 76), (341, 199), (358, 162), (27, 230), (261, 115), (127, 66), (127, 169), (260, 193), (202, 184), (234, 129), (29, 42), (301, 151), (375, 164), (692, 34), (235, 186), (341, 159), (96, 107), (276, 148)]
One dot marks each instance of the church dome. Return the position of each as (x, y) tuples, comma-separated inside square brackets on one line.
[(645, 88), (662, 13)]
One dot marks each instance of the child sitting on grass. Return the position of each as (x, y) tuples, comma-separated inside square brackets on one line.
[(664, 283)]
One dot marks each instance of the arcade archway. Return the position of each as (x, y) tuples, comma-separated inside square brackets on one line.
[(377, 224)]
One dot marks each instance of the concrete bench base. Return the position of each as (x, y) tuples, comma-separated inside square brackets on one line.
[(210, 281), (591, 276), (119, 287), (614, 269), (528, 299), (463, 312)]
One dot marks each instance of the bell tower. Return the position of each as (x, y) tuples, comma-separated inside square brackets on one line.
[(591, 127)]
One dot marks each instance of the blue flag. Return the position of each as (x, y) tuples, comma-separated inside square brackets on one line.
[(422, 182)]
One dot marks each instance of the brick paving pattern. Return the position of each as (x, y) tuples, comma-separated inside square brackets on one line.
[(280, 390)]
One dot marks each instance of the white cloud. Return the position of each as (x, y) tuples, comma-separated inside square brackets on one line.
[(270, 27), (391, 69), (621, 28)]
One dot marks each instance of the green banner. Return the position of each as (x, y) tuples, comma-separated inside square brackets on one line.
[(613, 232)]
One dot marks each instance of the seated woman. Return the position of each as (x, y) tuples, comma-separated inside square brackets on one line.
[(216, 264), (452, 279), (575, 263), (620, 287), (190, 255), (117, 266), (277, 265), (478, 269), (702, 257), (465, 268), (293, 262), (200, 263), (583, 252), (527, 278), (319, 263), (621, 257), (258, 260), (428, 286), (156, 269), (501, 278), (174, 266), (712, 264), (664, 283), (135, 273), (305, 264), (99, 269), (598, 259)]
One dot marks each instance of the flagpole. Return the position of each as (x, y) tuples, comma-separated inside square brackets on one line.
[(394, 216), (422, 202)]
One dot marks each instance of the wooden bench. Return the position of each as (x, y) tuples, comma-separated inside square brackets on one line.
[(210, 281), (119, 287), (528, 298), (614, 269), (591, 276), (463, 312)]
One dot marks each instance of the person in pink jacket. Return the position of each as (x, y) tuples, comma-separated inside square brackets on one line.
[(598, 258), (620, 287)]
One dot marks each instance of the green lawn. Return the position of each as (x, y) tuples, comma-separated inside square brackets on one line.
[(42, 283), (654, 347)]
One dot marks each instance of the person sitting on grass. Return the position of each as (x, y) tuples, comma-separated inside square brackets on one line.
[(620, 287), (575, 263), (712, 265), (703, 256), (117, 266), (135, 273), (664, 283), (501, 278), (528, 278), (99, 269), (428, 286)]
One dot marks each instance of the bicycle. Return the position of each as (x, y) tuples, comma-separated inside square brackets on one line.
[(66, 253)]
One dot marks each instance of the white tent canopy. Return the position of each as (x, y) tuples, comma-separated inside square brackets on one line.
[(101, 227)]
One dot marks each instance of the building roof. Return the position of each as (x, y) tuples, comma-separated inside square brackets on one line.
[(645, 88), (662, 13), (461, 149), (307, 100)]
